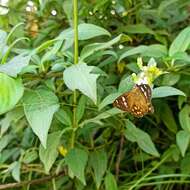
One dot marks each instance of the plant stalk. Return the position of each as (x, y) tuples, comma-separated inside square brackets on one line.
[(75, 25)]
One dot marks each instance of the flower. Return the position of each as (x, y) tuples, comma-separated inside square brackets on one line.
[(148, 73)]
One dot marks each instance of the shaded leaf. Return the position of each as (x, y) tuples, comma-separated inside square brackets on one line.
[(76, 159), (183, 138), (181, 42), (92, 48), (144, 141), (39, 107), (184, 118), (49, 155), (98, 161), (110, 182), (15, 65)]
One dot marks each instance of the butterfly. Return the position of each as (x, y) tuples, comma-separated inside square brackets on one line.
[(137, 101)]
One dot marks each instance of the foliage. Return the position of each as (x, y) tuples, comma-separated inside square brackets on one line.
[(58, 128)]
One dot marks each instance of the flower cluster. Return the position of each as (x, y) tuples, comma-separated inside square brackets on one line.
[(148, 73)]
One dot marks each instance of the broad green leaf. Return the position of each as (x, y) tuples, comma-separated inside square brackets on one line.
[(39, 107), (79, 77), (11, 92), (98, 161), (15, 65), (63, 117), (155, 50), (184, 118), (93, 48), (85, 31), (167, 117), (4, 141), (12, 116), (68, 9), (108, 100), (49, 155), (110, 182), (51, 54), (138, 29), (81, 107), (183, 138), (104, 115), (170, 79), (76, 159), (185, 166), (126, 84), (181, 42), (164, 5), (165, 91), (3, 40), (16, 171), (30, 156), (144, 141)]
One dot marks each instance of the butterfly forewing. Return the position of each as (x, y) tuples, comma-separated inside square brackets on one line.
[(137, 101)]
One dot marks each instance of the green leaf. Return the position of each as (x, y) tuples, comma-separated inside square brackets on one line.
[(63, 117), (155, 50), (87, 31), (108, 100), (76, 159), (81, 107), (30, 156), (170, 79), (4, 141), (49, 155), (13, 116), (15, 65), (16, 171), (165, 91), (39, 107), (126, 84), (181, 42), (11, 92), (138, 29), (184, 118), (98, 161), (3, 41), (167, 117), (142, 138), (104, 115), (183, 138), (93, 48), (110, 182), (164, 5), (80, 77)]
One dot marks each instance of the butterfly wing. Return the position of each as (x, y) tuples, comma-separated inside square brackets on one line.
[(122, 102), (137, 101)]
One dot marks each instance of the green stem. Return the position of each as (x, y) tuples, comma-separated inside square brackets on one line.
[(54, 184), (149, 172), (75, 20)]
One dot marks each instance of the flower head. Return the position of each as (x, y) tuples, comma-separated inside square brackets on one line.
[(148, 73)]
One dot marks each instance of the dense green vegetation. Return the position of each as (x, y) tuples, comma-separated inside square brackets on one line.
[(59, 75)]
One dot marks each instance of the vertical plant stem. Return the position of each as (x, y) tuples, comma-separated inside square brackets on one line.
[(54, 184), (75, 24)]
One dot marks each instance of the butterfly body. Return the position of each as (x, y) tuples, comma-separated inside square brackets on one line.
[(137, 101)]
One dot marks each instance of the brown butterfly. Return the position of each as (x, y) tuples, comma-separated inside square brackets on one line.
[(137, 101)]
